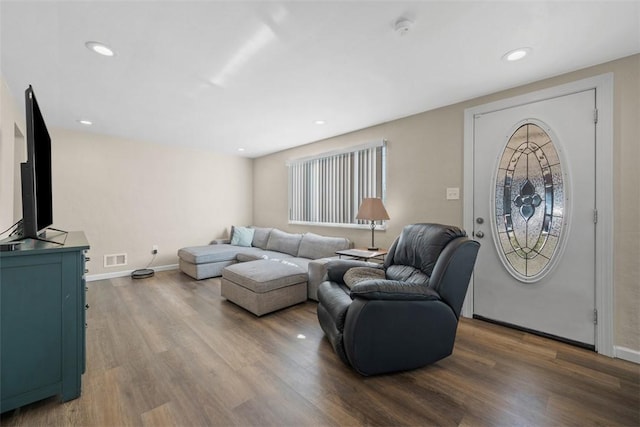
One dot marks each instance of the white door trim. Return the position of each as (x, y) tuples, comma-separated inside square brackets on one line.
[(604, 191)]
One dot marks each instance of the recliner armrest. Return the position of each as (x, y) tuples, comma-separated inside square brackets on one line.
[(393, 290)]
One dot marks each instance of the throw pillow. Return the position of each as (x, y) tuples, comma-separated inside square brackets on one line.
[(242, 236), (355, 275)]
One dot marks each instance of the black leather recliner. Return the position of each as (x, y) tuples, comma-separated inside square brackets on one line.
[(407, 318)]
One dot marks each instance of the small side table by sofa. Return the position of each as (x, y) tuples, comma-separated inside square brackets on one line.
[(363, 254)]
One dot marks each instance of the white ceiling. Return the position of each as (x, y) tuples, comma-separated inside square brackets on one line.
[(257, 75)]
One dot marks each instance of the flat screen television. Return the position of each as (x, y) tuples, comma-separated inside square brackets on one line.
[(37, 201)]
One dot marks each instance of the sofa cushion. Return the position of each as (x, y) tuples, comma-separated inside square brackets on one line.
[(261, 237), (300, 262), (313, 246), (265, 275), (253, 254), (284, 242), (209, 253), (242, 236), (353, 276)]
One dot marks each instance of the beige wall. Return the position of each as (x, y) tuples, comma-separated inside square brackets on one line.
[(129, 195), (627, 204), (11, 122), (425, 156), (418, 148)]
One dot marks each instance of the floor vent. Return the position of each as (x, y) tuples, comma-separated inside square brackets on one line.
[(115, 260)]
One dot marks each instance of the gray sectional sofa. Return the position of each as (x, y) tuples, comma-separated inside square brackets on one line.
[(297, 262)]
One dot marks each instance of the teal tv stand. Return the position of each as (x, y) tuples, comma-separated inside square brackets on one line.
[(42, 319)]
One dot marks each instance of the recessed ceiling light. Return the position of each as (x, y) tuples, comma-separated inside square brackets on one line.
[(240, 149), (85, 122), (516, 54), (320, 122), (100, 48)]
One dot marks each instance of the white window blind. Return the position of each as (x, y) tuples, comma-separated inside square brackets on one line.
[(329, 188)]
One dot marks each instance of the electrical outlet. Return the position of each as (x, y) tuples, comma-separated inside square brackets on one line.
[(154, 249), (453, 193)]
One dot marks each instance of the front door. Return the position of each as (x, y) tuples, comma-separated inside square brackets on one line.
[(534, 213)]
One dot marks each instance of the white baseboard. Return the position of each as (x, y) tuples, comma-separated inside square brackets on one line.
[(627, 354), (103, 276)]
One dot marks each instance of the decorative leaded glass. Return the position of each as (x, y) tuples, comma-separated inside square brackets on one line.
[(529, 203)]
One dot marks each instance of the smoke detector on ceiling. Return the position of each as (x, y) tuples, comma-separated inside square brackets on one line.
[(402, 26)]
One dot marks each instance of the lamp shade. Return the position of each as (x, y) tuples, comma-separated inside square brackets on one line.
[(372, 209)]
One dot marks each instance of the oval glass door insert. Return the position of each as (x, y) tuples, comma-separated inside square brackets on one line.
[(529, 203)]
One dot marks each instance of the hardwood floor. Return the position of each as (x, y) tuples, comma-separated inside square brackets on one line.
[(170, 351)]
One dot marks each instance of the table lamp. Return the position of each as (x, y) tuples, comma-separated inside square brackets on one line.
[(372, 209)]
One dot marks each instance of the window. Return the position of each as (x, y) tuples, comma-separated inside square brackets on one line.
[(529, 202), (329, 188)]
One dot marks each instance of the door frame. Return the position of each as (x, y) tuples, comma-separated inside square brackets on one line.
[(603, 84)]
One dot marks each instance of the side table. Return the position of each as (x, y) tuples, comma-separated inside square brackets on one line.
[(363, 254)]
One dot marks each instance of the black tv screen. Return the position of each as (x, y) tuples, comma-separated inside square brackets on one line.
[(37, 201)]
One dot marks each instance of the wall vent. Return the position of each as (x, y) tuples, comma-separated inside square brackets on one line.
[(115, 260)]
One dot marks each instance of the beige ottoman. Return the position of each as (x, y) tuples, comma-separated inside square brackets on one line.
[(264, 286)]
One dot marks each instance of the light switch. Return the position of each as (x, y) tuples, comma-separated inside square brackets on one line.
[(453, 193)]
